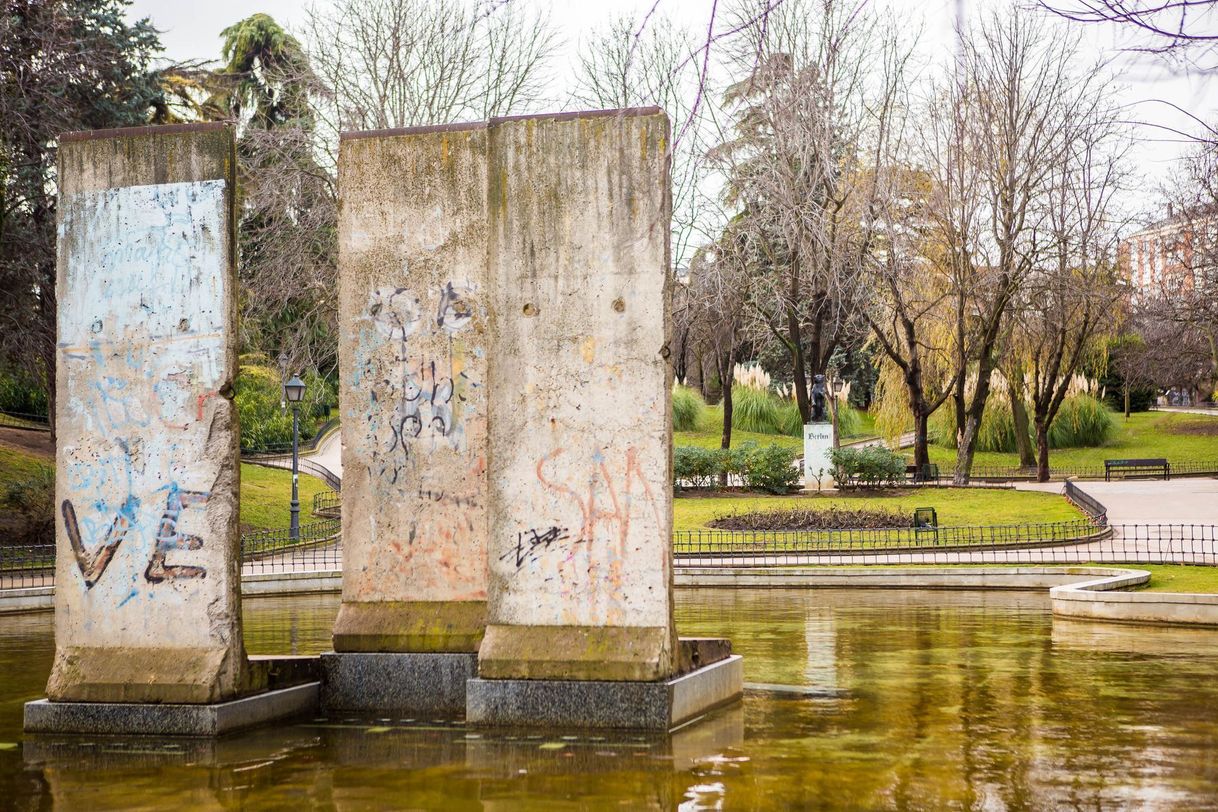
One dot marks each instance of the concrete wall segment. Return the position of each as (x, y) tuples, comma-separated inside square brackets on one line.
[(147, 443), (413, 354)]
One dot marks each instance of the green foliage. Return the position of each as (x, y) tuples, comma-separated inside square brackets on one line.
[(868, 467), (32, 500), (687, 409), (696, 467), (769, 468), (1082, 422), (790, 421), (263, 424), (21, 393), (756, 410), (849, 421)]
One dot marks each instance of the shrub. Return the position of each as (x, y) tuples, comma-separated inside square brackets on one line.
[(32, 500), (764, 468), (769, 468), (687, 409), (756, 410), (696, 467), (868, 467), (1082, 422)]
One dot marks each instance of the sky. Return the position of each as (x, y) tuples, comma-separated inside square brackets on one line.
[(191, 30)]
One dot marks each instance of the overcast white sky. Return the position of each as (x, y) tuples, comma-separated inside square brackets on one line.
[(191, 30)]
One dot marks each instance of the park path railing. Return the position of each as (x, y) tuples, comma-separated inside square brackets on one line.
[(319, 548)]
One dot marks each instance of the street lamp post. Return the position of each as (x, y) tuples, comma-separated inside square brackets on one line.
[(835, 383), (293, 393)]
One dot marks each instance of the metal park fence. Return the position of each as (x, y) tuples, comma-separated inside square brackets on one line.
[(328, 504), (997, 473), (319, 548), (21, 420), (304, 465), (1133, 544)]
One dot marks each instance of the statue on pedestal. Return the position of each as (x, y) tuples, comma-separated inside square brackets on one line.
[(818, 399)]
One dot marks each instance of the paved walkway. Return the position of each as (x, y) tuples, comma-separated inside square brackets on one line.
[(1141, 501), (329, 453)]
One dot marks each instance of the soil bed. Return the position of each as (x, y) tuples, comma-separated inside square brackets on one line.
[(833, 518)]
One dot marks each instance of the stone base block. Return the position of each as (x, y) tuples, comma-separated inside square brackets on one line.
[(625, 653), (597, 704), (398, 626), (122, 718), (411, 683)]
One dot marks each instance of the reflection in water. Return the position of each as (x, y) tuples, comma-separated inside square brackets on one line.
[(919, 700)]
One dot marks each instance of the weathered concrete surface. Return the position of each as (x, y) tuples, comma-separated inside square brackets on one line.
[(147, 605), (412, 349), (580, 431)]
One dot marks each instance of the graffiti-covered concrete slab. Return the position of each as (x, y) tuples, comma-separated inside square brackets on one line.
[(581, 432), (146, 605), (413, 354)]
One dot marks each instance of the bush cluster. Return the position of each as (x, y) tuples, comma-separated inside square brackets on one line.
[(769, 468), (687, 409), (1082, 422), (868, 467)]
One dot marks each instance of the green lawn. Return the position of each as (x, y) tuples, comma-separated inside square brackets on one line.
[(1176, 578), (265, 492), (16, 465), (1144, 434), (954, 506)]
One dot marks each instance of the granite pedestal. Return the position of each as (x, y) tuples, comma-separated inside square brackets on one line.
[(145, 719), (663, 705), (411, 683)]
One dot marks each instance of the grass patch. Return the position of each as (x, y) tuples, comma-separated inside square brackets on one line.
[(265, 492), (955, 507), (1179, 578), (1144, 434)]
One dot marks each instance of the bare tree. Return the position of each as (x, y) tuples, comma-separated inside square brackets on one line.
[(1184, 30), (629, 63), (1068, 301), (810, 117), (400, 63), (996, 134), (716, 295)]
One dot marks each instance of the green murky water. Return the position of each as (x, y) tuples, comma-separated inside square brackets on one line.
[(909, 700)]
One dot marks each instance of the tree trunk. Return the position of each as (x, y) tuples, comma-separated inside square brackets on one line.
[(1023, 434), (799, 375), (966, 446), (726, 372), (921, 440), (1042, 449), (1125, 386)]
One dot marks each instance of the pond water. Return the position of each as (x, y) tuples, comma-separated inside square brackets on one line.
[(895, 700)]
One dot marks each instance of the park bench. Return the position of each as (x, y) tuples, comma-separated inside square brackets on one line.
[(929, 473), (1149, 467)]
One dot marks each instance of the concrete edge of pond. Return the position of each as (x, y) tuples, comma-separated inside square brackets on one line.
[(1086, 593), (1076, 591)]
